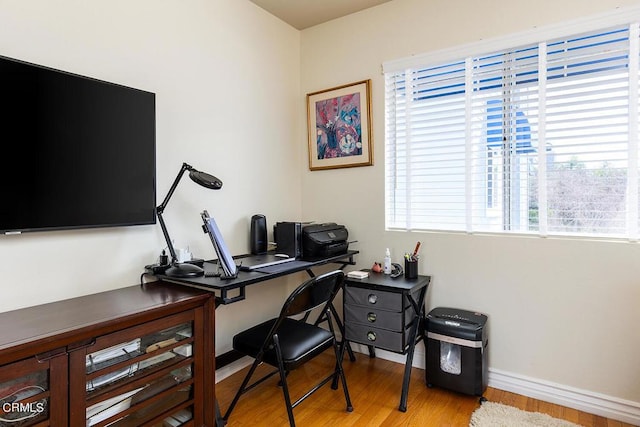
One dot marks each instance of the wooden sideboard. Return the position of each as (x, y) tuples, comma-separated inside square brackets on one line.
[(140, 355)]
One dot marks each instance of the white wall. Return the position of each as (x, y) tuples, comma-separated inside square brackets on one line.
[(227, 78), (561, 311), (230, 83)]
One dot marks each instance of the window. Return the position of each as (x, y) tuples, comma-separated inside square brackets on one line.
[(539, 138)]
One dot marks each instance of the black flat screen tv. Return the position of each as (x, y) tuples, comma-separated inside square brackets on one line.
[(77, 152)]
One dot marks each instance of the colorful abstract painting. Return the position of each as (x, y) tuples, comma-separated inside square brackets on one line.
[(339, 127)]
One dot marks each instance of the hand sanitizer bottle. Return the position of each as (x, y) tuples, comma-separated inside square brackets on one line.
[(387, 262)]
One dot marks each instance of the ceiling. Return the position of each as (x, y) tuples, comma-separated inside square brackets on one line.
[(303, 14)]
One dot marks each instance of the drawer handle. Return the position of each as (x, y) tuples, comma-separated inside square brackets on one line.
[(371, 336), (371, 317), (373, 298)]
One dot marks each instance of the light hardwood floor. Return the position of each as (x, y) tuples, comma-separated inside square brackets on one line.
[(374, 386)]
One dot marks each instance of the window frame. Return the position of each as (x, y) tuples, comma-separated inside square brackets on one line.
[(630, 16)]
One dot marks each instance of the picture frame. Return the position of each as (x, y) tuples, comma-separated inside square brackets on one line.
[(339, 127)]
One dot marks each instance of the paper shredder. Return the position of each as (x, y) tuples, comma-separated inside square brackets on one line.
[(456, 356)]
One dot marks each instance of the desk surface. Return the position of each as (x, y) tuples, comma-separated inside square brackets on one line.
[(385, 282), (246, 278)]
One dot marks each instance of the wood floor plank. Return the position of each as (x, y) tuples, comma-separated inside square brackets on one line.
[(374, 386)]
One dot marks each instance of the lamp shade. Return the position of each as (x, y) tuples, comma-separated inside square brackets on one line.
[(204, 179)]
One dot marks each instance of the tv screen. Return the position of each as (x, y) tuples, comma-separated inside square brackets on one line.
[(77, 152)]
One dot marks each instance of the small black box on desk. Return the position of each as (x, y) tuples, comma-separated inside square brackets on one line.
[(288, 237)]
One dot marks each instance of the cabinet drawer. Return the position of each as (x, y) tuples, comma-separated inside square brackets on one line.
[(375, 298), (380, 338), (374, 317)]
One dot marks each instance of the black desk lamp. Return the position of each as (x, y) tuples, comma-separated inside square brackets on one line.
[(204, 179)]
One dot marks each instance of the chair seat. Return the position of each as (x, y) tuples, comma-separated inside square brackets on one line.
[(299, 342)]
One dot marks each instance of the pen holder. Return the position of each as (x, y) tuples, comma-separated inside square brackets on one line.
[(410, 269)]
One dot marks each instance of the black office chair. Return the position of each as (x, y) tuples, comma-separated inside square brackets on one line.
[(288, 343)]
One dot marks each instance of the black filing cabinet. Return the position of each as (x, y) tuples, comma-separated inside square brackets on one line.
[(378, 318), (386, 313), (457, 357)]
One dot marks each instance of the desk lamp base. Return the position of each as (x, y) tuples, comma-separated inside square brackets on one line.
[(184, 270)]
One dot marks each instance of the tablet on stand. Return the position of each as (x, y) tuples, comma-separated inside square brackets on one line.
[(225, 259)]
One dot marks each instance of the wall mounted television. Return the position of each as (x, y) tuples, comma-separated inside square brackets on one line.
[(77, 152)]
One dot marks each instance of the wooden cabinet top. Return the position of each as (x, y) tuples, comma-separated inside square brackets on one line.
[(46, 327)]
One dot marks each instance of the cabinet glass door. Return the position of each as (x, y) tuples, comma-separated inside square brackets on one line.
[(24, 393), (142, 379)]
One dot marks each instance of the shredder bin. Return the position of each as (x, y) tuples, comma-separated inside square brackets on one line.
[(456, 356)]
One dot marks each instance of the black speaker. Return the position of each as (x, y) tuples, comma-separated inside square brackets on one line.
[(258, 234)]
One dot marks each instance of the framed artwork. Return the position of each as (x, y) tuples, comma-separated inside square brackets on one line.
[(339, 127)]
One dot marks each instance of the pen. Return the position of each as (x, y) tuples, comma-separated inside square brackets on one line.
[(415, 252)]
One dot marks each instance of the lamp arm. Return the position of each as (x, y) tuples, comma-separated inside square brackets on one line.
[(172, 251), (160, 210), (185, 167)]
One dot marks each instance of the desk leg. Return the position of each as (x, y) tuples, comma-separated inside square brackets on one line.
[(352, 356), (413, 337), (372, 351), (219, 420), (407, 370)]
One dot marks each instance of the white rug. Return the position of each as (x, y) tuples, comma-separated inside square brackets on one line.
[(491, 414)]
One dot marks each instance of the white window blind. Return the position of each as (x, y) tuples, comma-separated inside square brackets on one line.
[(538, 138)]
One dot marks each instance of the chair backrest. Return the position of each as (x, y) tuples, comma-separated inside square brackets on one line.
[(313, 293)]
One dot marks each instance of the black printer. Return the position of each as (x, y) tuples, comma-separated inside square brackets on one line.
[(322, 240)]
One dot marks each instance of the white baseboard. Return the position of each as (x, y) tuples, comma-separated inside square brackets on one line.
[(583, 400), (232, 368), (587, 401)]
